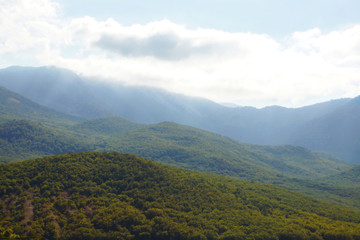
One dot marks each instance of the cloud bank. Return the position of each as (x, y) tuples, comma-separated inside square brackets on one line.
[(244, 68)]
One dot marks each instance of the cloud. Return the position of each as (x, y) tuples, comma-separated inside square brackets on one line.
[(164, 46), (246, 68), (27, 24), (165, 40)]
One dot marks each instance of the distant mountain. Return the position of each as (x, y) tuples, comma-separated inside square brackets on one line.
[(55, 88), (337, 132), (13, 105), (120, 196), (66, 92)]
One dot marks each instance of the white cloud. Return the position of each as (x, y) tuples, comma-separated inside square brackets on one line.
[(246, 68), (28, 25)]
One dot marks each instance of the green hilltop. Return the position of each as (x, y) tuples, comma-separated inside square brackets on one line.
[(96, 195)]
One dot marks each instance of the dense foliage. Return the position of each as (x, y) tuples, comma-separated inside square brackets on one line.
[(349, 178), (193, 148), (21, 139), (120, 196), (110, 126)]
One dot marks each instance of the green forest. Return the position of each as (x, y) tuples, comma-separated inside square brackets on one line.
[(93, 195)]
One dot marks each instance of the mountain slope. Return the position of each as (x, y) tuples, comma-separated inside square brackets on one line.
[(110, 126), (289, 167), (66, 92), (205, 151), (13, 105), (337, 132), (349, 178), (109, 195), (56, 88), (22, 139)]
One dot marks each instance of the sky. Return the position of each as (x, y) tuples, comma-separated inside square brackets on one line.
[(248, 52)]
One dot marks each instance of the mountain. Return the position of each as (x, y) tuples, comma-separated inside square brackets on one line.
[(171, 143), (55, 88), (66, 92), (337, 132), (69, 93), (120, 196)]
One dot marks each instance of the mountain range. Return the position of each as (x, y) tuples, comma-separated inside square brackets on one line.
[(331, 126), (230, 190), (294, 168)]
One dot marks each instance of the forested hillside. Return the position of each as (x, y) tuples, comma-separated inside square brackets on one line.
[(119, 196), (349, 178), (187, 146), (23, 139), (110, 126)]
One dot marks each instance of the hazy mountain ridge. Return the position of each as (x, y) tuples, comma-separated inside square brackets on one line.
[(337, 132), (13, 105), (55, 88), (109, 195), (66, 92)]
